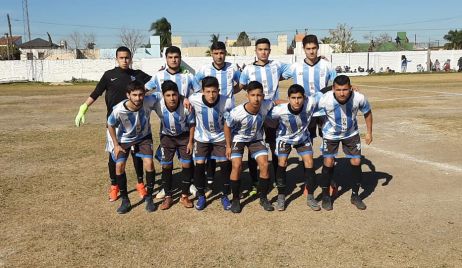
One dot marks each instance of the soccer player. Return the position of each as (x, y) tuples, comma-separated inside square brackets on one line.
[(176, 134), (341, 106), (314, 74), (114, 82), (293, 120), (210, 109), (131, 119), (268, 73), (244, 128), (227, 75)]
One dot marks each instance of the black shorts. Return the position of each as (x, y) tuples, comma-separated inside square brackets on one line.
[(351, 147), (256, 149), (283, 149), (171, 144), (315, 123), (205, 151), (141, 148)]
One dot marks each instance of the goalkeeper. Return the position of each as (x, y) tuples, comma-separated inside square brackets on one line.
[(115, 82)]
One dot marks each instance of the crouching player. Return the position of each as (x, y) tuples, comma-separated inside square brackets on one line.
[(244, 128), (131, 118), (341, 106), (176, 134), (210, 109), (294, 119)]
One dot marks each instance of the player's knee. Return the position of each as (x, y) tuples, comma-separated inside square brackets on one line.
[(236, 166), (120, 168), (282, 162), (263, 165), (355, 161), (329, 161)]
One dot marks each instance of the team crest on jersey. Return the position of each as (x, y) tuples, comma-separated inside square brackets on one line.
[(132, 78), (300, 73)]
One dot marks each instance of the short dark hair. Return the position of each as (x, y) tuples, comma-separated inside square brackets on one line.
[(262, 41), (311, 38), (123, 49), (295, 88), (254, 85), (342, 80), (210, 81), (134, 86), (169, 85), (172, 50), (218, 45)]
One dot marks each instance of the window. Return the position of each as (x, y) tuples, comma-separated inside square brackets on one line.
[(41, 55), (30, 56)]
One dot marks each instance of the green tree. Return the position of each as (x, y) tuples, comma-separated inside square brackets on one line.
[(342, 37), (162, 28), (454, 37), (213, 39), (243, 40)]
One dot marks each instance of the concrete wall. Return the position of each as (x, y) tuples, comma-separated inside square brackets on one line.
[(64, 70)]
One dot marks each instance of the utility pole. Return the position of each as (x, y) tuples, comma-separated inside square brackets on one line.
[(7, 46), (25, 10), (11, 37)]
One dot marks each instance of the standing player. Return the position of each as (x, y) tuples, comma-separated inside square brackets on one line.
[(115, 82), (294, 119), (131, 119), (314, 74), (210, 109), (244, 128), (176, 134), (268, 73), (341, 106), (227, 75)]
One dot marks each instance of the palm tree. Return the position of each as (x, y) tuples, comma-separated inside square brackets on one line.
[(455, 39), (162, 28), (214, 38)]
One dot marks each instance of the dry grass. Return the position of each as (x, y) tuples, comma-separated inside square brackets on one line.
[(54, 209)]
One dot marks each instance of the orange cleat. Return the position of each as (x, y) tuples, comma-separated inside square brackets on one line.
[(114, 193), (141, 190)]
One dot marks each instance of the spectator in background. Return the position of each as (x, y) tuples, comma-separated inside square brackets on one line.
[(459, 63), (447, 66), (404, 62), (437, 67)]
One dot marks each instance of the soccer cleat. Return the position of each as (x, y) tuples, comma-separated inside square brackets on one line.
[(114, 193), (311, 202), (160, 194), (266, 204), (167, 203), (225, 203), (150, 206), (125, 206), (184, 200), (253, 191), (281, 202), (141, 190), (193, 190), (356, 200), (326, 203), (201, 202), (235, 206)]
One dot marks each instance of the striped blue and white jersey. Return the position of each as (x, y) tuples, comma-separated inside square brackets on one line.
[(227, 77), (173, 123), (210, 120), (313, 78), (185, 81), (132, 126), (268, 75), (341, 122), (245, 126), (293, 126)]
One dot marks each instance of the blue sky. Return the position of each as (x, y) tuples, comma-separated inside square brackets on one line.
[(195, 21)]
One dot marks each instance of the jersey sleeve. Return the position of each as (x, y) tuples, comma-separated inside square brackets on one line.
[(237, 74), (229, 105), (190, 117), (152, 84), (244, 78), (195, 85), (289, 72), (283, 68), (231, 119), (364, 105), (100, 87), (274, 113), (152, 99), (143, 77), (331, 73), (113, 119)]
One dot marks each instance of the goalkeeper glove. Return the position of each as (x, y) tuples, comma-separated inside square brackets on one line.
[(80, 118)]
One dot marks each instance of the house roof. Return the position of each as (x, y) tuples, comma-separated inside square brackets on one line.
[(299, 37), (38, 43), (13, 39)]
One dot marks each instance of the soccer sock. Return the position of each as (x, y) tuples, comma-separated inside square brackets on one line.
[(235, 189), (138, 164), (357, 176), (263, 187), (211, 167), (225, 172), (167, 181), (150, 179), (325, 179), (252, 163), (122, 182), (186, 181), (111, 168), (281, 179), (199, 176), (310, 179)]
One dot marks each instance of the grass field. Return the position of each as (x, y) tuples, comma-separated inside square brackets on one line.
[(54, 209)]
